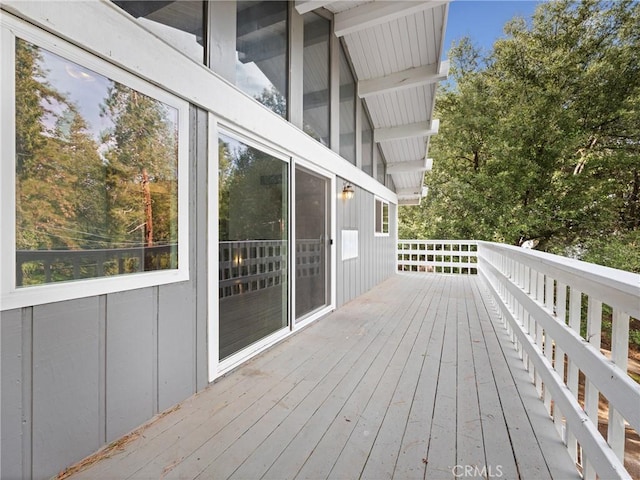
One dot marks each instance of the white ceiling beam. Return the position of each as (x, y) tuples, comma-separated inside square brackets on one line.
[(411, 130), (412, 77), (411, 196), (412, 166), (376, 13), (306, 6), (409, 192), (412, 192)]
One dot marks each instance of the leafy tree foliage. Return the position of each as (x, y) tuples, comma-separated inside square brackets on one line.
[(252, 193), (540, 139)]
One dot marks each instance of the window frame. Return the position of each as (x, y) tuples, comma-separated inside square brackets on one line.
[(12, 296), (378, 219)]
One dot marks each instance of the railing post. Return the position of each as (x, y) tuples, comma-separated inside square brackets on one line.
[(559, 365), (620, 357), (591, 393)]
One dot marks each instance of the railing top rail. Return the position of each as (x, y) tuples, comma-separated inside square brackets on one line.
[(588, 277), (465, 242)]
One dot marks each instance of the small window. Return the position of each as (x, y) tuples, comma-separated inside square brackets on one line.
[(382, 217), (97, 166)]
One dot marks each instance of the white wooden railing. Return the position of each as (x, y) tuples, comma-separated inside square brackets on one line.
[(553, 308), (252, 265), (438, 256)]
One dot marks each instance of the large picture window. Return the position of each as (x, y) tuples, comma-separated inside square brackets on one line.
[(95, 166)]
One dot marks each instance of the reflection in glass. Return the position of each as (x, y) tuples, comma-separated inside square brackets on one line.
[(312, 225), (96, 174), (316, 77), (253, 226), (367, 144), (347, 110), (180, 23), (261, 49), (381, 169)]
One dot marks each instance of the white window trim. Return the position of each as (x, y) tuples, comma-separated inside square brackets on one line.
[(216, 366), (375, 217), (13, 297)]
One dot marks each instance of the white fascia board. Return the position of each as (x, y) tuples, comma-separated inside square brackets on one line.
[(376, 13), (429, 164), (159, 63), (419, 129), (411, 77), (306, 6)]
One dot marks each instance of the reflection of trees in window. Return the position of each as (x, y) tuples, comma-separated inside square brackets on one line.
[(77, 193), (141, 169), (252, 195)]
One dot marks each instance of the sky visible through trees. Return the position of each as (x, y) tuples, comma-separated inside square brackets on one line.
[(540, 137)]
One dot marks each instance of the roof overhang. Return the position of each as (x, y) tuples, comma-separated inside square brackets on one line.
[(395, 48)]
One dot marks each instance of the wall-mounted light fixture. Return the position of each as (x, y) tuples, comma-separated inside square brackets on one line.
[(347, 191)]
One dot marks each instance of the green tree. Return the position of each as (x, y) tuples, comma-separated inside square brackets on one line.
[(540, 140), (142, 146), (56, 161)]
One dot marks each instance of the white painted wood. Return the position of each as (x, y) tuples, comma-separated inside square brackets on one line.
[(420, 129), (410, 78), (429, 256), (609, 466), (582, 354), (619, 346), (375, 13), (305, 6)]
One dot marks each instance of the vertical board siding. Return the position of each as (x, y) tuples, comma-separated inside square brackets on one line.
[(79, 374), (65, 384), (129, 361), (12, 387), (176, 344), (375, 261), (198, 229)]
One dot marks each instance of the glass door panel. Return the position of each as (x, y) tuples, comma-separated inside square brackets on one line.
[(253, 226), (312, 242)]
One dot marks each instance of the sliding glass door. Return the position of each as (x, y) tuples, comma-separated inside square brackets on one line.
[(253, 228), (313, 245)]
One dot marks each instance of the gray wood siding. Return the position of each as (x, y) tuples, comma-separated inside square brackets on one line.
[(376, 254), (79, 374)]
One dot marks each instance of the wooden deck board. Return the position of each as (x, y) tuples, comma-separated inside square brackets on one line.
[(412, 380)]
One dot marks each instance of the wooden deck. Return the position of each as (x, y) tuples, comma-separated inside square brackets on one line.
[(416, 379)]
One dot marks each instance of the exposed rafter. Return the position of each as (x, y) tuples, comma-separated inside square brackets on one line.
[(305, 6), (420, 129), (376, 13), (412, 77), (410, 196), (422, 165)]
